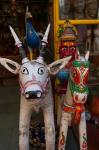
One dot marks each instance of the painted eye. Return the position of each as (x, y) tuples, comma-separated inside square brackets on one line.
[(41, 70), (64, 48), (75, 75), (25, 70), (72, 48)]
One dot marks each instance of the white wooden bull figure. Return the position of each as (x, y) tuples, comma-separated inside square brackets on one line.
[(73, 106), (36, 91)]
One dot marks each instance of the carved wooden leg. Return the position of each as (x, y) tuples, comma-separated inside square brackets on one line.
[(63, 130), (59, 108), (24, 123), (82, 133), (49, 127)]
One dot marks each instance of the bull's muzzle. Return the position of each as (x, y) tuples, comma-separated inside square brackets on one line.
[(33, 94)]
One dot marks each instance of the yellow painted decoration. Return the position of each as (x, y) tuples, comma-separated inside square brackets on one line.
[(75, 22), (58, 22), (68, 44)]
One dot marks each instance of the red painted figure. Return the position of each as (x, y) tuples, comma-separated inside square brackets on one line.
[(68, 41), (68, 35)]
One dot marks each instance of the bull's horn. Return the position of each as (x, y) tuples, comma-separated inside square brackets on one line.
[(40, 60), (87, 55), (45, 37), (18, 43), (78, 55)]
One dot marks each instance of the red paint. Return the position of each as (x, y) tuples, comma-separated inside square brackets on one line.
[(84, 144), (78, 75), (62, 140), (76, 97), (67, 48), (75, 75), (79, 108), (85, 79)]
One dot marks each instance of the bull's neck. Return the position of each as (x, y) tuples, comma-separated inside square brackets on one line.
[(68, 98)]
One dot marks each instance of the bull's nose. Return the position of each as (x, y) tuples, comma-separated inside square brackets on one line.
[(33, 94)]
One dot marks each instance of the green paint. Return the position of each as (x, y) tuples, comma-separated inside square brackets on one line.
[(84, 137), (60, 31), (76, 88), (79, 64)]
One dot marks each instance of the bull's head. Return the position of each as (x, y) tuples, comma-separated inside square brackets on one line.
[(33, 75), (78, 79)]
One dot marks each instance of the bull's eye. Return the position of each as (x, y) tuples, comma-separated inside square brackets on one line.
[(25, 70), (41, 70), (74, 74)]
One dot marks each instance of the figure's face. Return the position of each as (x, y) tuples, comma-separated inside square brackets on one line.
[(67, 48), (79, 77), (34, 75), (33, 78)]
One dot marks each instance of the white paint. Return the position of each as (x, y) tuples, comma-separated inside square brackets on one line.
[(32, 76), (66, 118)]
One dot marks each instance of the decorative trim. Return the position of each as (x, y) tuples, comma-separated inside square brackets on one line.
[(76, 88)]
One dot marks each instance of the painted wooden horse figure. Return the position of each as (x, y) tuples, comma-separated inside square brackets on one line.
[(36, 91), (73, 110)]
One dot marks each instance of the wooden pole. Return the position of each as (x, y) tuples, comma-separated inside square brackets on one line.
[(94, 21)]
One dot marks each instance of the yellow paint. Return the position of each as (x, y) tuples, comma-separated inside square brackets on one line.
[(75, 22), (31, 55), (69, 44), (57, 22), (56, 13)]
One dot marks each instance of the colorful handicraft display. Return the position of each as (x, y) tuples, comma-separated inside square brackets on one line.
[(68, 36), (36, 90), (78, 79), (73, 110)]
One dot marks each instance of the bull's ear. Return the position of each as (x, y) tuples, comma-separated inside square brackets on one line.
[(10, 65), (87, 55), (58, 65)]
